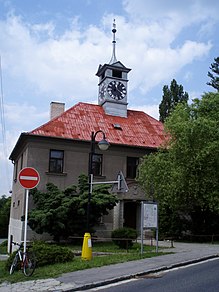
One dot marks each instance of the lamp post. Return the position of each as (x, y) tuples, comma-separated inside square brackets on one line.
[(103, 145)]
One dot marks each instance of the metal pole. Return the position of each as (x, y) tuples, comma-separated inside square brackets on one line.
[(157, 232), (25, 221), (90, 172), (142, 227), (89, 200), (90, 178)]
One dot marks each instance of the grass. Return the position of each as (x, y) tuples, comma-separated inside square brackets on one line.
[(112, 255)]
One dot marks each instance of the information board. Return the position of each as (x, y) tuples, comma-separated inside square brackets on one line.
[(150, 215)]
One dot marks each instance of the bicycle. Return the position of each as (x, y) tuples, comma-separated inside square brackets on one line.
[(27, 261)]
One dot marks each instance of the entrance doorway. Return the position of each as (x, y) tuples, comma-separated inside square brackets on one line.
[(130, 214)]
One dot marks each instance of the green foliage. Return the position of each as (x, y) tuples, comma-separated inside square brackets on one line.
[(185, 178), (46, 254), (5, 204), (214, 74), (3, 247), (64, 213), (171, 97), (123, 237)]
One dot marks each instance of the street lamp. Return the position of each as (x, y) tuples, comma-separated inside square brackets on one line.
[(103, 145)]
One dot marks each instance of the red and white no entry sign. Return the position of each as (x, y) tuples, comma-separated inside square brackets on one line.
[(29, 177)]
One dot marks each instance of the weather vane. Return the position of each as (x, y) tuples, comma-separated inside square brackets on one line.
[(113, 59)]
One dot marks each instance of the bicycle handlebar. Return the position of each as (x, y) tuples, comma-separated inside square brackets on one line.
[(16, 243), (21, 244)]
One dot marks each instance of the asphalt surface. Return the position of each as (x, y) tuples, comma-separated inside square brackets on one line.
[(184, 253)]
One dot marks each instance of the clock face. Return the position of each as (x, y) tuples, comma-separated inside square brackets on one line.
[(116, 90), (102, 91)]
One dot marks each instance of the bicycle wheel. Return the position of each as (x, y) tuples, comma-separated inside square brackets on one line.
[(13, 265), (29, 263)]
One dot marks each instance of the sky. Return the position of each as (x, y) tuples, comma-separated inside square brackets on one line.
[(50, 50)]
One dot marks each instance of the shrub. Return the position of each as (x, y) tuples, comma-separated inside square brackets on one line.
[(3, 247), (123, 237), (46, 254), (4, 243)]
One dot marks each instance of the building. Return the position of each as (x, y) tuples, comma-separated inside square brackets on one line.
[(60, 149)]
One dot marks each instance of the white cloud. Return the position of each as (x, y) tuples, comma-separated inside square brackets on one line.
[(182, 13), (65, 66), (24, 116), (151, 110)]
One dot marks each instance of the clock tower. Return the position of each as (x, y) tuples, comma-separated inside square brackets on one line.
[(113, 84)]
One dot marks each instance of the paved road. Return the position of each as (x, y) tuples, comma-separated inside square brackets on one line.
[(184, 254), (199, 277)]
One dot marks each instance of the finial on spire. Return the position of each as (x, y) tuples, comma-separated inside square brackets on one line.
[(113, 59)]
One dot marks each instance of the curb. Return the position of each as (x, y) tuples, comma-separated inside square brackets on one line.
[(132, 276)]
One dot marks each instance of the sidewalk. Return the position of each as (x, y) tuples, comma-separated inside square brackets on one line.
[(184, 253)]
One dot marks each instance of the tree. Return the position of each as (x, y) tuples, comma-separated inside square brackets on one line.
[(64, 213), (214, 78), (5, 204), (184, 174), (171, 97)]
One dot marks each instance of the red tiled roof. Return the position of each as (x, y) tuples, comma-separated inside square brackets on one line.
[(138, 129)]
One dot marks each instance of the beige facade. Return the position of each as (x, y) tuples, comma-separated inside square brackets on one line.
[(34, 151)]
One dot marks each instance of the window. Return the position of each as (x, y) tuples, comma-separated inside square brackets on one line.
[(15, 170), (117, 73), (103, 75), (132, 164), (21, 160), (56, 161), (97, 164)]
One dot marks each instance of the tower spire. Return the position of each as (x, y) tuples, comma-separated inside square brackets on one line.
[(113, 58)]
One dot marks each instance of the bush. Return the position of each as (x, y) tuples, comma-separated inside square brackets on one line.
[(46, 254), (123, 237), (4, 243), (3, 247)]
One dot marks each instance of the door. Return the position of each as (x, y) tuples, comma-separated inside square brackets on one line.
[(130, 213)]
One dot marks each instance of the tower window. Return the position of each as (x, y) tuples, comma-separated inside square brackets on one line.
[(103, 75), (117, 73)]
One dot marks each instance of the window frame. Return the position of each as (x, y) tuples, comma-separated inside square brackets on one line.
[(117, 73), (56, 164), (132, 166), (97, 166)]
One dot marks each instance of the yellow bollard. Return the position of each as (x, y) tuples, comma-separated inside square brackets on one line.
[(87, 247)]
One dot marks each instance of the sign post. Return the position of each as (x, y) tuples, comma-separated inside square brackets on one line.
[(28, 178), (119, 186), (149, 219)]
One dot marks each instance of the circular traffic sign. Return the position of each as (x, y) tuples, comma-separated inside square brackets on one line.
[(29, 177)]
